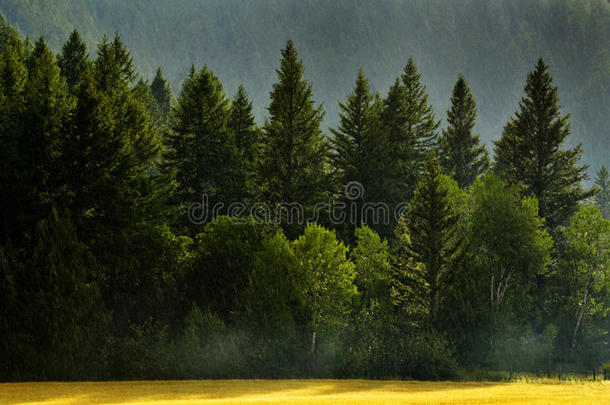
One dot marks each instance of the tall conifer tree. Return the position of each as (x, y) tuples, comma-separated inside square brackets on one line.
[(293, 151), (42, 123), (425, 257), (530, 152), (73, 60), (411, 127), (198, 147), (462, 156), (13, 75), (359, 148), (162, 92), (113, 66), (245, 134)]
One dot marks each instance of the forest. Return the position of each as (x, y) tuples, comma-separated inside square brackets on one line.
[(493, 258), (493, 43)]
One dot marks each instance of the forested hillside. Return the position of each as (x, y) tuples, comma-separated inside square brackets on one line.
[(493, 43), (151, 234)]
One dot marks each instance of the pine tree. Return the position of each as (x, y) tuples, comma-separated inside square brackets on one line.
[(245, 134), (293, 151), (198, 149), (462, 156), (73, 60), (428, 242), (359, 151), (530, 153), (162, 92), (602, 181)]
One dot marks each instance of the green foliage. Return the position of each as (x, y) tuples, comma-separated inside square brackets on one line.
[(510, 240), (222, 261), (529, 152), (462, 156), (602, 181), (245, 135), (587, 267), (273, 314), (208, 349), (162, 93), (324, 280), (113, 67), (359, 151), (409, 123), (443, 36), (98, 280), (293, 151), (199, 152), (13, 77), (58, 293), (144, 353), (371, 257), (430, 243), (73, 61)]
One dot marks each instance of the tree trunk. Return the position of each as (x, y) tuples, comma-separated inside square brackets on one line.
[(581, 314), (313, 342)]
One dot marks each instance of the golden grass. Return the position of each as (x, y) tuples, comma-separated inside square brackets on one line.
[(310, 392)]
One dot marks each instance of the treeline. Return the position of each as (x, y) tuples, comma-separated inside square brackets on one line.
[(494, 44), (105, 272)]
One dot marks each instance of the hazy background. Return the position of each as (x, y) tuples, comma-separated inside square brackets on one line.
[(493, 43)]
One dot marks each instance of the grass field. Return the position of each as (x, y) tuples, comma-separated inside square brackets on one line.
[(336, 392)]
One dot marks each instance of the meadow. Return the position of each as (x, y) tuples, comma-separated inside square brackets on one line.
[(336, 392)]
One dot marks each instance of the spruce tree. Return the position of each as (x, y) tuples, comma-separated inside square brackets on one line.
[(245, 134), (530, 152), (113, 66), (402, 173), (199, 151), (462, 156), (411, 127), (293, 151), (143, 93), (428, 242), (73, 60), (359, 148), (602, 181), (421, 124), (42, 122), (13, 75), (162, 93), (90, 154)]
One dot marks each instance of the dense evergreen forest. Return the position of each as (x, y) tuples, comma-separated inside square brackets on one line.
[(430, 255), (493, 43)]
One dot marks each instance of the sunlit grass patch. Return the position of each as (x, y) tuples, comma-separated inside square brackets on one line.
[(304, 392)]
